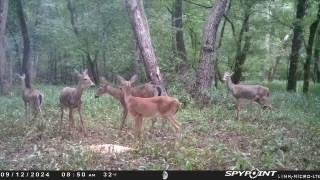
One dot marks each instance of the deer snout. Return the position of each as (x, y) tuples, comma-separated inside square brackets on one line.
[(92, 84)]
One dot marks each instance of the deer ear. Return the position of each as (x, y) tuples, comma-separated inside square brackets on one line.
[(133, 78), (85, 71), (23, 76), (18, 75), (76, 72), (231, 73), (121, 79)]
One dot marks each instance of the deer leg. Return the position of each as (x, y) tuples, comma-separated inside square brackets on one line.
[(26, 110), (153, 122), (175, 123), (124, 117), (61, 117), (138, 125), (238, 108), (71, 122), (81, 119)]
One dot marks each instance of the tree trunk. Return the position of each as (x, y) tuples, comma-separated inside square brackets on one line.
[(296, 45), (205, 70), (26, 60), (180, 45), (3, 58), (316, 57), (141, 30), (273, 68), (306, 67), (242, 50), (93, 67)]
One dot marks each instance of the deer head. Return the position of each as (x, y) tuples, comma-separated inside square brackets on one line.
[(84, 79), (126, 85), (227, 75), (104, 87)]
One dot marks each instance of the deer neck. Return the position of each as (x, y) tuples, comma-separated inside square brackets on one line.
[(127, 95), (230, 84), (79, 91), (113, 92), (23, 85)]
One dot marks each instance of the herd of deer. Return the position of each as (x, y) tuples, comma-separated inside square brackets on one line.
[(142, 101)]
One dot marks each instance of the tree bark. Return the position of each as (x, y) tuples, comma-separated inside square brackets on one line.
[(205, 72), (3, 58), (180, 45), (142, 34), (306, 67), (296, 45), (272, 70), (93, 66), (26, 60), (316, 57), (242, 50)]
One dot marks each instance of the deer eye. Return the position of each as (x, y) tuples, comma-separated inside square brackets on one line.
[(85, 79)]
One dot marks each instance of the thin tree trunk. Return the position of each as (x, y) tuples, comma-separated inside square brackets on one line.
[(180, 45), (26, 60), (93, 67), (316, 57), (273, 68), (142, 34), (3, 58), (205, 72), (306, 67), (296, 45), (242, 50)]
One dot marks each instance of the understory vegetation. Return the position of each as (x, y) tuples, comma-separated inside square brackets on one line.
[(212, 138)]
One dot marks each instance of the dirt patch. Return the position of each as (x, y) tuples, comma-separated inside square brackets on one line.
[(234, 140)]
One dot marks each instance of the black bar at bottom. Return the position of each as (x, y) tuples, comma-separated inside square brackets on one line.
[(161, 175)]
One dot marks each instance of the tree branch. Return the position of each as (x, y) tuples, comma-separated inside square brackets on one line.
[(197, 4)]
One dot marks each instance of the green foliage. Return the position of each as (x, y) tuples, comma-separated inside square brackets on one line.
[(212, 138)]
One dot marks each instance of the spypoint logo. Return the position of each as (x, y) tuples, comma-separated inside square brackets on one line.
[(254, 173)]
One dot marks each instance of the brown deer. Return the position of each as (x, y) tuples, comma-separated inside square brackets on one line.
[(140, 108), (143, 90), (256, 93), (32, 98), (71, 98)]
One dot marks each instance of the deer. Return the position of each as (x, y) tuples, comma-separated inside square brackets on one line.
[(143, 90), (70, 97), (32, 98), (149, 107), (255, 93)]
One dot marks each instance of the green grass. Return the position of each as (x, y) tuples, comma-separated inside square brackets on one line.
[(286, 138)]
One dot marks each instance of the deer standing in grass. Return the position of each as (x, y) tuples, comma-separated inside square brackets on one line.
[(140, 108), (32, 98), (256, 93), (71, 98), (143, 90)]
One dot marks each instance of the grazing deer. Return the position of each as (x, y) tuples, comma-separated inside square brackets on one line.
[(32, 98), (256, 93), (71, 97), (143, 90), (150, 107)]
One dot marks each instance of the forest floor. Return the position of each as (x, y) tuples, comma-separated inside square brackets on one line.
[(288, 137)]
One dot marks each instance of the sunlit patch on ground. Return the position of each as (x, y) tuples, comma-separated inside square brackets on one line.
[(108, 148)]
